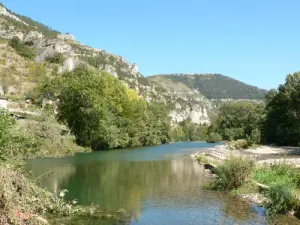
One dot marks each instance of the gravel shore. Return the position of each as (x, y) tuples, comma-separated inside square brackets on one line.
[(261, 154)]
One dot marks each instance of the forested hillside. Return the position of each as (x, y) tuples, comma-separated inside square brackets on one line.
[(216, 86)]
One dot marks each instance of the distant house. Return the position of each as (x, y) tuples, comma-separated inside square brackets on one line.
[(3, 102)]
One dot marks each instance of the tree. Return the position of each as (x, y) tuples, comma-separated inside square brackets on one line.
[(103, 113), (239, 120), (283, 113)]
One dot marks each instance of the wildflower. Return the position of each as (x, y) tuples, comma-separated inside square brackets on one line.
[(63, 193)]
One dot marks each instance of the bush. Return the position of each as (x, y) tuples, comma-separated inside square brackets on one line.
[(282, 198), (214, 138), (57, 58), (232, 173), (22, 49), (239, 144), (255, 136)]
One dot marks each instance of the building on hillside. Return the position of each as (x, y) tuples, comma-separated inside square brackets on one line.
[(3, 102)]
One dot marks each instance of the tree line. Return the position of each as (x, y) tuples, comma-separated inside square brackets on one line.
[(103, 113), (274, 121)]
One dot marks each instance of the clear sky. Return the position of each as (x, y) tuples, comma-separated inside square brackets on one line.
[(255, 41)]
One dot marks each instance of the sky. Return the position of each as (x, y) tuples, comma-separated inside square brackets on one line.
[(254, 41)]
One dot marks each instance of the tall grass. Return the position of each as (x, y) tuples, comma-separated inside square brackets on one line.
[(232, 173), (283, 180), (282, 199)]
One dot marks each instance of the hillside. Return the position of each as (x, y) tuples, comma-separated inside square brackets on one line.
[(31, 51), (213, 86)]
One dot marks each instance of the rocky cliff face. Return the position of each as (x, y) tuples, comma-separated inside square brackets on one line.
[(186, 102)]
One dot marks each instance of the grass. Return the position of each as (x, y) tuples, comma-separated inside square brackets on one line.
[(282, 199), (277, 174), (246, 188), (232, 174), (203, 159), (207, 159), (284, 183)]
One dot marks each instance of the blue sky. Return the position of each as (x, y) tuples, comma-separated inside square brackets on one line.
[(255, 41)]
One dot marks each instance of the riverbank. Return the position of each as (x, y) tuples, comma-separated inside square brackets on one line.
[(273, 181)]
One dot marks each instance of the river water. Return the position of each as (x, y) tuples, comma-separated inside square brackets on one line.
[(158, 185)]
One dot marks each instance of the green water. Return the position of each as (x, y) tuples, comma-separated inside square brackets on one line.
[(158, 185)]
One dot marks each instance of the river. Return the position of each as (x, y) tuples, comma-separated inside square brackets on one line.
[(158, 185)]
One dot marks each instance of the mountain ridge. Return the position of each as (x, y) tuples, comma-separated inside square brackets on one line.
[(206, 81)]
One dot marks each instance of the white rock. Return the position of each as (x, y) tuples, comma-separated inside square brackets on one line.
[(66, 37), (4, 12)]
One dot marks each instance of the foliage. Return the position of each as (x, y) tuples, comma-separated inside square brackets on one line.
[(283, 113), (22, 200), (32, 139), (14, 144), (282, 199), (240, 120), (37, 72), (283, 180), (103, 113), (214, 138), (216, 86), (6, 123), (22, 49), (232, 173), (57, 58), (187, 130), (205, 158), (280, 173), (239, 144)]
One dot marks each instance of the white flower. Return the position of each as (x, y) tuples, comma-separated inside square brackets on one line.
[(62, 193)]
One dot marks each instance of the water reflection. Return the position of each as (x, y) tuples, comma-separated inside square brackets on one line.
[(153, 192)]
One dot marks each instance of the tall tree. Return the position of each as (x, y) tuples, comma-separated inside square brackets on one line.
[(282, 125)]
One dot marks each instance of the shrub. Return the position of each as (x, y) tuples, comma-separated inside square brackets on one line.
[(254, 137), (57, 58), (239, 144), (232, 173), (282, 199), (22, 49), (214, 138)]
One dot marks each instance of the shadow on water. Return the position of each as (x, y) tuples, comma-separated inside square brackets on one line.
[(160, 191)]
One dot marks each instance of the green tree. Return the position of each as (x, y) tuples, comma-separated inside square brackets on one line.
[(21, 48), (103, 113), (240, 120), (283, 113)]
